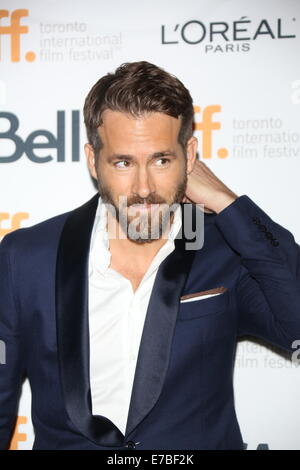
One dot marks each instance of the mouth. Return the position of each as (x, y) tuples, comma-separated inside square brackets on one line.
[(142, 207)]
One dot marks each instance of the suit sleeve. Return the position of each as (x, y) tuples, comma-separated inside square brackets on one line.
[(12, 367), (268, 286)]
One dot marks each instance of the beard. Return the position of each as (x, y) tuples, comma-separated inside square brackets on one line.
[(147, 225)]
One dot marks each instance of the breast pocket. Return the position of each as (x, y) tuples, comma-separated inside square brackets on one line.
[(206, 307)]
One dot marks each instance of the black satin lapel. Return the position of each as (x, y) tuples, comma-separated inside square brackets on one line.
[(73, 329), (156, 341)]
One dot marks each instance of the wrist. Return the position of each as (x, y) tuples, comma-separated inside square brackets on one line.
[(223, 201)]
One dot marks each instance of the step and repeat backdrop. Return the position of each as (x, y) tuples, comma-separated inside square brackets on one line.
[(240, 59)]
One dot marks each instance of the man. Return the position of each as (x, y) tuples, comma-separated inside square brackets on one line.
[(128, 337)]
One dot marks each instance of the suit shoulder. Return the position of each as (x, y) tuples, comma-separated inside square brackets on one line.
[(42, 232)]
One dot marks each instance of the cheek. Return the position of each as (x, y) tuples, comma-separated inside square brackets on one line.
[(178, 176), (169, 187), (117, 184)]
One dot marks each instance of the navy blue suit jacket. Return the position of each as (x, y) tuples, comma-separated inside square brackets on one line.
[(182, 395)]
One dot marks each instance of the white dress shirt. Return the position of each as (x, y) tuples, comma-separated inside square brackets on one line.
[(116, 321)]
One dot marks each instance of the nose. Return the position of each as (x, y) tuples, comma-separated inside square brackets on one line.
[(143, 186)]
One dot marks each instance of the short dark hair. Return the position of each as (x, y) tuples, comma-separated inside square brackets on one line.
[(138, 88)]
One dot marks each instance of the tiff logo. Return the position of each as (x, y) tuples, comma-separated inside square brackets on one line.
[(14, 29), (207, 126), (15, 221), (17, 435)]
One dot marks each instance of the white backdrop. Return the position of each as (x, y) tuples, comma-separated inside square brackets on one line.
[(240, 60)]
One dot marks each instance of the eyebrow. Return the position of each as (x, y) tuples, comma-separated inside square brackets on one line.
[(164, 153)]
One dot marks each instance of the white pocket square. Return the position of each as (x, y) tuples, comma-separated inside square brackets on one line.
[(199, 297), (203, 294)]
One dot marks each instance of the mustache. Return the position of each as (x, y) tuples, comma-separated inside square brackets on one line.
[(148, 200)]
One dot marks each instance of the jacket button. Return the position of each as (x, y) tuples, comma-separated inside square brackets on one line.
[(263, 228), (275, 242), (269, 235), (130, 445)]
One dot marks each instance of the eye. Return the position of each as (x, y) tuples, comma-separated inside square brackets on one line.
[(165, 160), (125, 163), (121, 161)]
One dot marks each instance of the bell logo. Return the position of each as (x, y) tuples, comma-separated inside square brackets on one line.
[(15, 29), (29, 145), (207, 126), (16, 220)]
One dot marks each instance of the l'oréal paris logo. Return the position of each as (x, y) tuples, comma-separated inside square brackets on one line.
[(222, 36)]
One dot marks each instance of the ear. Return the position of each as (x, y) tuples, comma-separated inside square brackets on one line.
[(90, 157), (191, 152)]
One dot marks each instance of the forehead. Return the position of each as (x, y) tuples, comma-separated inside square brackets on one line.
[(120, 126)]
